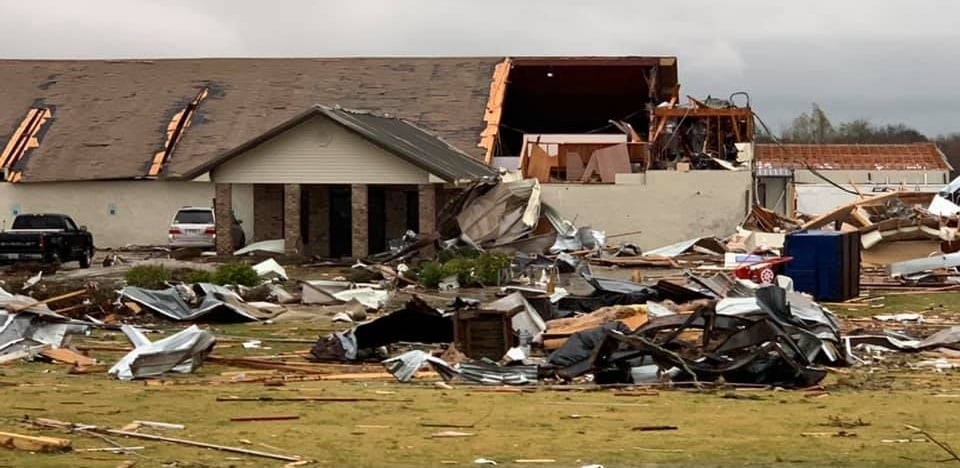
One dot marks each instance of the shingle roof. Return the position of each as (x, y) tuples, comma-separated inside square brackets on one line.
[(916, 156), (396, 135), (110, 117)]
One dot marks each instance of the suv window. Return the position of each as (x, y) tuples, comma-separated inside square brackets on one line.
[(194, 217)]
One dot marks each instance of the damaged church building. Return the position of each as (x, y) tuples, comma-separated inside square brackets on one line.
[(337, 156)]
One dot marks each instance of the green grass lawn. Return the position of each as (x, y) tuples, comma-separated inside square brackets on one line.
[(760, 428)]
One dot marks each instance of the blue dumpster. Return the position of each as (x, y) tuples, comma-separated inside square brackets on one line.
[(826, 264)]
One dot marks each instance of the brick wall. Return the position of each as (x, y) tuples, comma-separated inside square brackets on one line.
[(267, 212)]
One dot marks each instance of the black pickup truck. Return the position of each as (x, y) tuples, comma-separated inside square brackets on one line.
[(47, 239)]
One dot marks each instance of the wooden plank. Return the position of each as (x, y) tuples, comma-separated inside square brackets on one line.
[(79, 292), (44, 422), (224, 448), (68, 356), (736, 128), (494, 109), (27, 443), (314, 398), (264, 418)]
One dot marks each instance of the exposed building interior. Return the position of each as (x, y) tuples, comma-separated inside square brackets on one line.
[(588, 119)]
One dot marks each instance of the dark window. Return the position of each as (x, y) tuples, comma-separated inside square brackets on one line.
[(69, 224), (194, 217), (38, 222), (413, 211)]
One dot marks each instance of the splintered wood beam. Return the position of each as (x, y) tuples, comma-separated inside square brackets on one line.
[(736, 128), (48, 300), (67, 356), (494, 109), (27, 443)]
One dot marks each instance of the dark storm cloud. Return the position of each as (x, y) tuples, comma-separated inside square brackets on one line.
[(890, 61)]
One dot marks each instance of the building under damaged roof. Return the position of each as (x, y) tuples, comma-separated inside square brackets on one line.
[(301, 143), (813, 179), (95, 133)]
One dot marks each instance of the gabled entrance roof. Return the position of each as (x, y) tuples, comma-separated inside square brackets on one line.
[(398, 136)]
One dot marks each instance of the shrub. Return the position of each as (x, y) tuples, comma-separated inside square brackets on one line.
[(462, 268), (489, 267), (148, 276), (198, 276), (236, 273), (431, 273), (457, 252)]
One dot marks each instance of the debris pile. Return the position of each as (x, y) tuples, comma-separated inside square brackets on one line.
[(724, 311)]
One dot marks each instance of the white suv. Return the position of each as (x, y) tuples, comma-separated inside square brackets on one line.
[(197, 227)]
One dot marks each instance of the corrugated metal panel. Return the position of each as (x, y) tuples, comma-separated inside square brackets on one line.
[(319, 151), (497, 375)]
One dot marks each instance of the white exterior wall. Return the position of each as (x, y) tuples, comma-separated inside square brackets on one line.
[(667, 206), (318, 151), (116, 213), (818, 199), (875, 177), (243, 208)]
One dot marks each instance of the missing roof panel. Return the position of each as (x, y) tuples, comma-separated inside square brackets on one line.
[(25, 138), (178, 124)]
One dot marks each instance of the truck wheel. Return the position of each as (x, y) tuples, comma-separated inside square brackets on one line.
[(87, 258)]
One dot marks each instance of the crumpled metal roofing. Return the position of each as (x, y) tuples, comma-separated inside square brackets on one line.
[(215, 302)]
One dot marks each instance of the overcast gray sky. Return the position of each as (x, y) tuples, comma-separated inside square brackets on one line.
[(889, 61)]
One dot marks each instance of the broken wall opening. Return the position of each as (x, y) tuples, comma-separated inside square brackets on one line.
[(583, 95), (704, 134)]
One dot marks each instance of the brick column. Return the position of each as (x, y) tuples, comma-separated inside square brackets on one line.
[(358, 200), (428, 209), (223, 212), (291, 219)]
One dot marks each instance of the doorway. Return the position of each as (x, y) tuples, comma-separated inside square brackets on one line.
[(376, 219), (341, 222)]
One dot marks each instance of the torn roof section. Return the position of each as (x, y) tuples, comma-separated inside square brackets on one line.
[(112, 117), (905, 157), (573, 95), (23, 140), (395, 135)]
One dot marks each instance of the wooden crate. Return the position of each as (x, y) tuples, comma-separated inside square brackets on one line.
[(484, 333)]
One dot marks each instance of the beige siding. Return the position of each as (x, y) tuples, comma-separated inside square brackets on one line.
[(141, 210), (318, 152), (665, 206)]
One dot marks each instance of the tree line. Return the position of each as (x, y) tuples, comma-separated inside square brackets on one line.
[(815, 127)]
